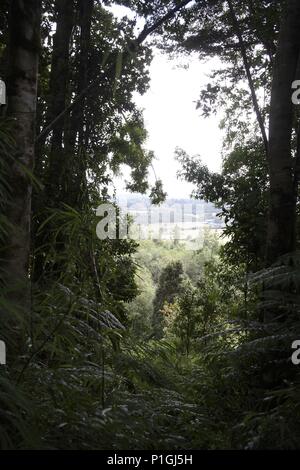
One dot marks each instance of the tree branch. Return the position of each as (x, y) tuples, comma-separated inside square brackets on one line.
[(249, 77), (150, 29)]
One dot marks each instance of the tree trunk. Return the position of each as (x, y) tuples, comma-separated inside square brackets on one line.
[(59, 82), (56, 102), (282, 214), (78, 138), (24, 48)]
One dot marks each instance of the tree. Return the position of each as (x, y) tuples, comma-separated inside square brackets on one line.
[(187, 316), (22, 79), (169, 285), (58, 95), (240, 191), (140, 310), (245, 36), (283, 166), (78, 155)]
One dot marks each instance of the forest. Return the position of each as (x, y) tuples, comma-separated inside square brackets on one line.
[(115, 343)]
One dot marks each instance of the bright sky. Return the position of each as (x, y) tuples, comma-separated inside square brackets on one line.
[(172, 120)]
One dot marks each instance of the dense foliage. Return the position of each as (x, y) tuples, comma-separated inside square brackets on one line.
[(114, 344)]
